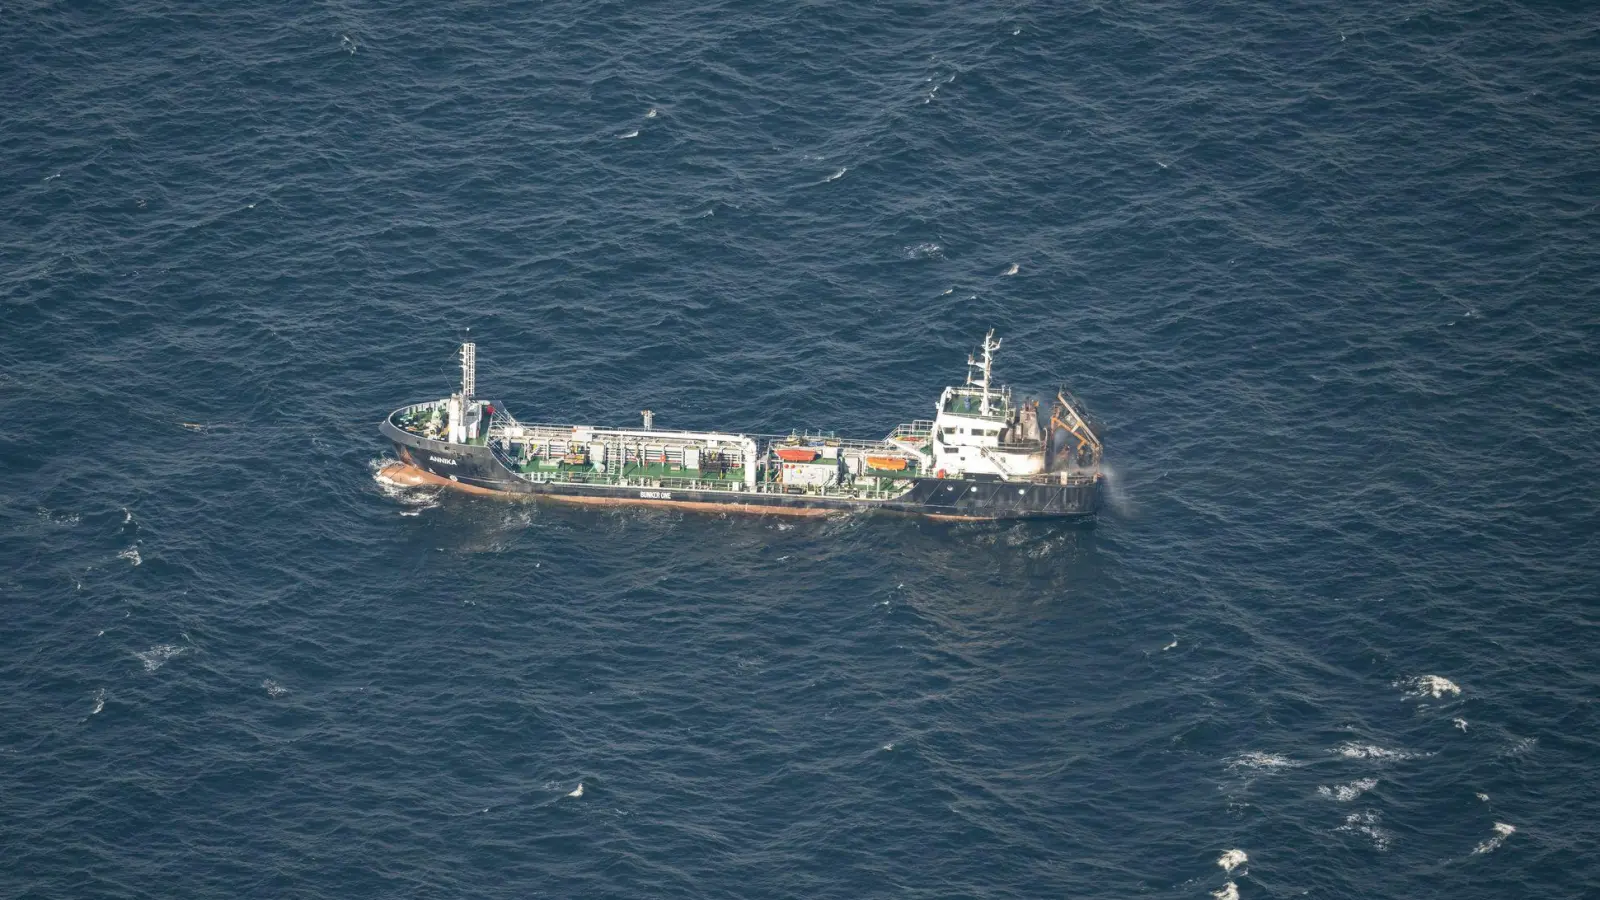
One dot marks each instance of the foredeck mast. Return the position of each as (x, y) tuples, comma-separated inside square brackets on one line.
[(461, 404)]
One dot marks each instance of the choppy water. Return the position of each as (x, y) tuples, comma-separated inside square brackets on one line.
[(1326, 276)]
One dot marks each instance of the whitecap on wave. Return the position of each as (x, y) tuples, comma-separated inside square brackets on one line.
[(1520, 747), (1354, 750), (99, 702), (1254, 760), (1232, 859), (837, 175), (1229, 891), (1501, 832), (1434, 686), (273, 688), (65, 520), (925, 250), (131, 555), (157, 656), (1366, 823), (1344, 793)]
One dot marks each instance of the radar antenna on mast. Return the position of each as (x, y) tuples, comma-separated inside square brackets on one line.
[(990, 344)]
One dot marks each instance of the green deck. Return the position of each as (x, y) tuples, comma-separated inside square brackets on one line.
[(888, 473)]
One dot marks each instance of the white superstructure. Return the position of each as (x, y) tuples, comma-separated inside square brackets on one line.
[(978, 430)]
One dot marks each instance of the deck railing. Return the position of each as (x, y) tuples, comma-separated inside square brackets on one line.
[(550, 431), (921, 428), (696, 484)]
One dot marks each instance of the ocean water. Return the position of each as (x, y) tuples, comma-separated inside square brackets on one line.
[(1326, 276)]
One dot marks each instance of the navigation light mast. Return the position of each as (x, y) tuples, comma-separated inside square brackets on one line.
[(990, 344), (469, 372), (460, 403)]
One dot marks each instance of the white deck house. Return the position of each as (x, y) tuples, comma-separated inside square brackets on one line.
[(978, 430)]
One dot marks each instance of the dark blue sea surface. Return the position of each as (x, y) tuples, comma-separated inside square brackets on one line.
[(1326, 275)]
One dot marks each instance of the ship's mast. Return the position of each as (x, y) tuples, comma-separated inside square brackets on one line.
[(990, 344), (460, 403), (469, 372)]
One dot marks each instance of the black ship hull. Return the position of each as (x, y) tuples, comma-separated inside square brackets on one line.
[(476, 469)]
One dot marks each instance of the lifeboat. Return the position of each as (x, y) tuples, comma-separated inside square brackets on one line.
[(887, 463), (797, 454)]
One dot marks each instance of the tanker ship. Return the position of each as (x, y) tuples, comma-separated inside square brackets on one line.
[(983, 455)]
